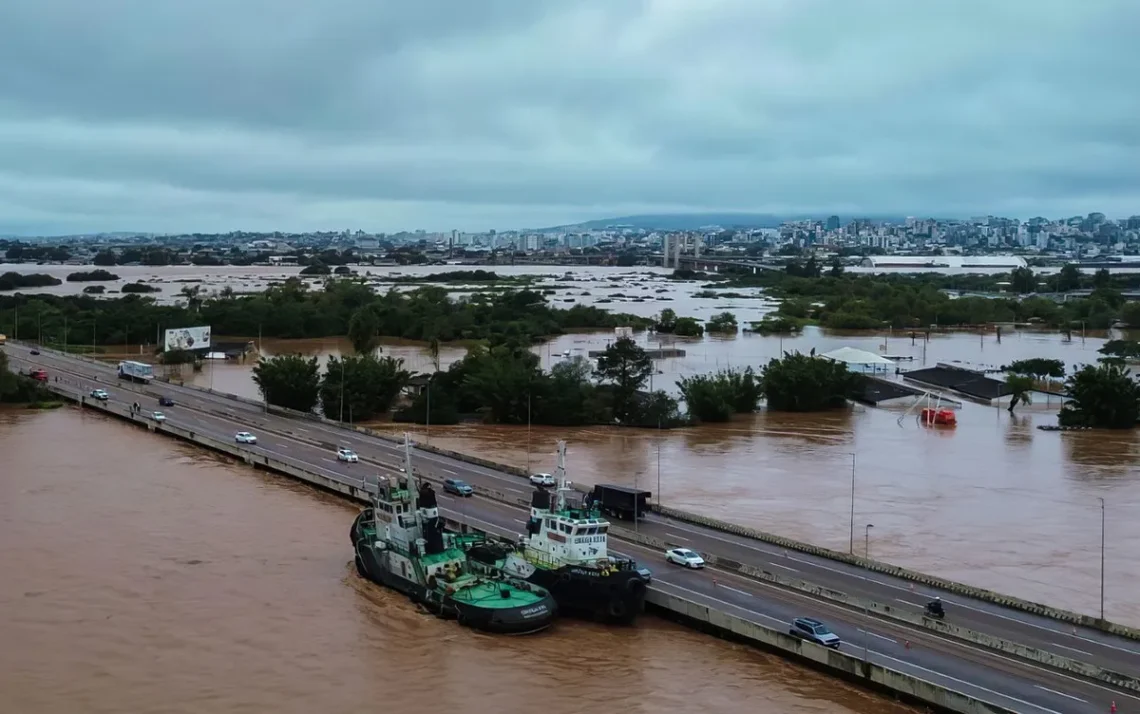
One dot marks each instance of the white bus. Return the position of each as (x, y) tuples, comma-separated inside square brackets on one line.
[(136, 372)]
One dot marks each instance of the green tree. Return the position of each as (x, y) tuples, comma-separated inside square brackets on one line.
[(716, 397), (104, 257), (688, 327), (723, 322), (804, 383), (1122, 350), (1102, 279), (362, 387), (363, 330), (1038, 367), (570, 397), (502, 382), (836, 269), (626, 367), (1130, 313), (1069, 278), (1020, 386), (1022, 280), (1104, 396), (666, 321), (289, 381)]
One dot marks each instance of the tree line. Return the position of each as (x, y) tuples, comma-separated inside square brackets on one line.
[(857, 302), (292, 310), (503, 383)]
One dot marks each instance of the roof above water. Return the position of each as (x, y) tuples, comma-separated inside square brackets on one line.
[(850, 355)]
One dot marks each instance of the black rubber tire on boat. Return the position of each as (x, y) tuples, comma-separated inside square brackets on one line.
[(618, 609), (460, 618), (360, 567)]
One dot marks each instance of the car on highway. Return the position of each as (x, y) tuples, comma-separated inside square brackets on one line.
[(244, 437), (458, 487), (812, 630), (34, 352), (347, 455), (685, 557), (100, 394), (165, 402), (542, 479), (645, 573), (158, 416)]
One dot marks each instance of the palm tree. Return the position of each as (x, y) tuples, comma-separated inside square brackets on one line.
[(1020, 387)]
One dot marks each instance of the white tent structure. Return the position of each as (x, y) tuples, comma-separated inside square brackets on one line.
[(859, 360)]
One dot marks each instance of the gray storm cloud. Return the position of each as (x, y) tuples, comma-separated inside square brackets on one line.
[(214, 115)]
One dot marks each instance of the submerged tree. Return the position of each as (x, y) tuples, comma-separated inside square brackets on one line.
[(1104, 395), (362, 387), (805, 383), (626, 367), (289, 381)]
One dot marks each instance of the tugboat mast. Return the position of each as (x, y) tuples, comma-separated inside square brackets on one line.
[(560, 478)]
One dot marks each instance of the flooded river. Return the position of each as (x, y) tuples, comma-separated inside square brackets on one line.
[(994, 502), (142, 575)]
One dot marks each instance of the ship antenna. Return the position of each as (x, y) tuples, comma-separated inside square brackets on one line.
[(412, 486), (560, 476)]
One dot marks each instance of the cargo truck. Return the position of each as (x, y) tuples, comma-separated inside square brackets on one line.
[(136, 372), (622, 502)]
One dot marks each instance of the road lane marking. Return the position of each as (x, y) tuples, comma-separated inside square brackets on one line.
[(1072, 649), (1061, 694), (735, 590), (674, 535), (963, 682), (881, 637), (785, 567), (908, 602), (722, 602)]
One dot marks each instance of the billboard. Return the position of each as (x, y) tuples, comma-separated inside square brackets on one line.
[(187, 338)]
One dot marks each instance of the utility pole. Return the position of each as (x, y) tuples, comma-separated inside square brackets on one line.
[(1102, 559), (851, 546), (342, 389), (658, 461), (528, 433), (866, 606)]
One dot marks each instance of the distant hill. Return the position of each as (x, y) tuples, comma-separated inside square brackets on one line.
[(693, 221)]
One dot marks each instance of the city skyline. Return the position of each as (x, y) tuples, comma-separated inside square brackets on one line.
[(508, 114)]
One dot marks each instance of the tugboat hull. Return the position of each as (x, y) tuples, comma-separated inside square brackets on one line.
[(616, 596), (492, 614)]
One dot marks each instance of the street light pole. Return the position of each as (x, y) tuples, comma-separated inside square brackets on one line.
[(1102, 559), (851, 545), (528, 433), (866, 606), (342, 390), (658, 461)]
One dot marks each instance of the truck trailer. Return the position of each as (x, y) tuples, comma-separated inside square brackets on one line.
[(622, 502)]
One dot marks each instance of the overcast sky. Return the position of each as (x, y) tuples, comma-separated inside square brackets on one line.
[(212, 115)]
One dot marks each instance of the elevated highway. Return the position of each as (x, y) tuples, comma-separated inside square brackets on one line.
[(980, 672)]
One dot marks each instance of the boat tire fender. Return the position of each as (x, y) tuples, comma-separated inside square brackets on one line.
[(360, 566)]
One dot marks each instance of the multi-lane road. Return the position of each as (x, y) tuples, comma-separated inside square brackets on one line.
[(979, 672)]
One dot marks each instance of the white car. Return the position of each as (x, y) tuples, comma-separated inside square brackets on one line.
[(100, 394), (244, 437), (542, 479), (685, 557), (158, 416), (343, 454)]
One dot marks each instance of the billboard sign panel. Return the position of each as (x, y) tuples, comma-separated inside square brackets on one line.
[(187, 338)]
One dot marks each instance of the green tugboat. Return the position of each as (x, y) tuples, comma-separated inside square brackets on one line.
[(400, 542)]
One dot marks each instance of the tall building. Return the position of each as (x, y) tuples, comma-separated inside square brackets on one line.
[(833, 223)]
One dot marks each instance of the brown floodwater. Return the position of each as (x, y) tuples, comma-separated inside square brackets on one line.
[(143, 575), (993, 502)]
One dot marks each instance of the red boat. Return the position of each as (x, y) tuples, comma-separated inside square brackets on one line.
[(944, 417)]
